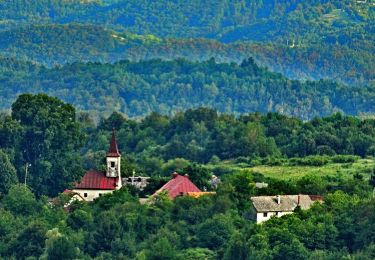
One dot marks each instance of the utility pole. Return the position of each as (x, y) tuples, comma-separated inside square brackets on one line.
[(133, 177), (26, 170)]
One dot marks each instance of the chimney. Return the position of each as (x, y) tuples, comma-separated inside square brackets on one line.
[(174, 175), (278, 199)]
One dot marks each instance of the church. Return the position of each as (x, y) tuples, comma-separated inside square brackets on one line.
[(96, 183)]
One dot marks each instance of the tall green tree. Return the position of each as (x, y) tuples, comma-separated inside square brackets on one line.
[(59, 246), (162, 250), (20, 201), (49, 144), (8, 175), (30, 241), (199, 175)]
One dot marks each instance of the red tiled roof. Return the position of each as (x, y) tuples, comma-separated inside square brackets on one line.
[(113, 149), (179, 185), (96, 180)]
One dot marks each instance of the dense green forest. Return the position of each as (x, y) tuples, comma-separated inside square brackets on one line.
[(227, 20), (46, 133), (59, 44), (300, 39), (202, 134), (139, 88), (48, 136), (272, 91)]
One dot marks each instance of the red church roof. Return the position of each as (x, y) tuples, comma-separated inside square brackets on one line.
[(96, 180), (113, 149), (178, 185)]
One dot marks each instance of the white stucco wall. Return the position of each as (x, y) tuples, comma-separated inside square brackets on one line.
[(91, 194), (261, 218), (114, 171)]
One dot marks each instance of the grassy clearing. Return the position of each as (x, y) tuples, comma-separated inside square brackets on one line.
[(336, 14), (342, 170)]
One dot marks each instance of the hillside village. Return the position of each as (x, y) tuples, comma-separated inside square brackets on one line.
[(187, 130), (196, 185), (94, 184)]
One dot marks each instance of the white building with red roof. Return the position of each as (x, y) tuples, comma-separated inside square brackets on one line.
[(96, 183)]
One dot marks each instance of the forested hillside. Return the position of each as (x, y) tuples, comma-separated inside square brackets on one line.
[(48, 134), (60, 44), (45, 136), (202, 134), (137, 89), (227, 20), (240, 98), (301, 39)]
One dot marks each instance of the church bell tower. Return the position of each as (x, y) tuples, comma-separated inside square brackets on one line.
[(114, 161)]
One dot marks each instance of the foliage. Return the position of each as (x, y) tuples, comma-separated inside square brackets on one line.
[(8, 175), (224, 20), (59, 246), (54, 44), (217, 226), (20, 200), (49, 142), (253, 139), (139, 88), (191, 229)]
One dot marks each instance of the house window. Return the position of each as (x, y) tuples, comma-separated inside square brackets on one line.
[(100, 194), (277, 213), (265, 214), (112, 164), (85, 195)]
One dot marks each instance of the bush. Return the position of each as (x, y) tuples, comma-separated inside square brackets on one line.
[(243, 159), (273, 161), (325, 150), (315, 160), (344, 158), (221, 170), (255, 162), (215, 159)]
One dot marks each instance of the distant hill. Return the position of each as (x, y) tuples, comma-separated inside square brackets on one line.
[(139, 88), (60, 44), (225, 20), (304, 40)]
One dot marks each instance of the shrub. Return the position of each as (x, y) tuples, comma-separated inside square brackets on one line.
[(344, 158), (221, 170), (273, 161), (314, 160)]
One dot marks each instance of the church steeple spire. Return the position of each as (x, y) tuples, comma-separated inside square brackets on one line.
[(113, 148)]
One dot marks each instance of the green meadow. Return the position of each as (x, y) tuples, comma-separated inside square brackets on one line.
[(294, 172)]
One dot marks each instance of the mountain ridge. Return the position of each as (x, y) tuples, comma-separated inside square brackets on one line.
[(139, 88), (59, 44)]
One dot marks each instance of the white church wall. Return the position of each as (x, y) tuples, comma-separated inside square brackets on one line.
[(90, 195)]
